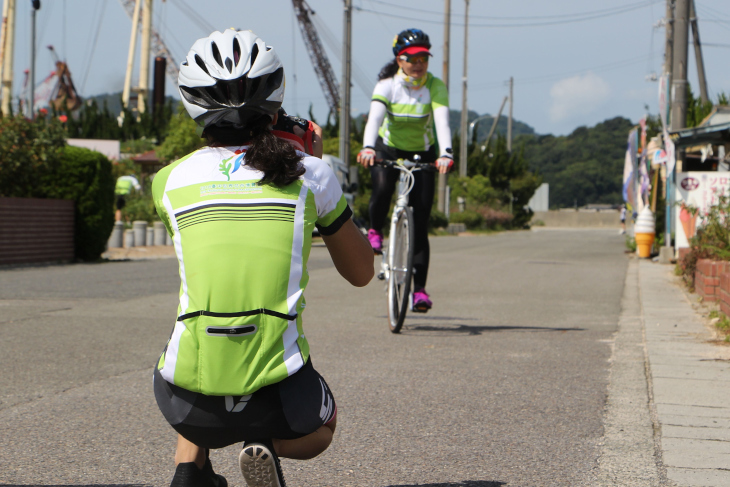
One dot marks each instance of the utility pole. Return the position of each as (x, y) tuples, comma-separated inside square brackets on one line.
[(442, 178), (8, 48), (668, 62), (698, 52), (35, 5), (679, 65), (464, 110), (495, 121), (346, 74), (144, 54), (3, 32), (130, 55), (509, 119)]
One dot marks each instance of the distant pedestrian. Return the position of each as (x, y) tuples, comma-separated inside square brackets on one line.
[(125, 184), (622, 210)]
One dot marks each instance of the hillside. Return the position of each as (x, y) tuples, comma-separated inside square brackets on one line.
[(583, 167), (483, 126)]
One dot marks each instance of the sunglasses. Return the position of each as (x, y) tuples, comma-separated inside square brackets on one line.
[(415, 59)]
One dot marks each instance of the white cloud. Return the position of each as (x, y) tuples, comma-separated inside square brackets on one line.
[(578, 96)]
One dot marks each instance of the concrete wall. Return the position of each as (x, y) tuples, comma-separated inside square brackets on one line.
[(540, 201), (578, 219), (36, 230)]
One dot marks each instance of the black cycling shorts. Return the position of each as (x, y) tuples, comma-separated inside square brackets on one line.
[(290, 409), (121, 201)]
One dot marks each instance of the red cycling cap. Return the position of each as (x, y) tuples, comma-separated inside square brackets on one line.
[(412, 50)]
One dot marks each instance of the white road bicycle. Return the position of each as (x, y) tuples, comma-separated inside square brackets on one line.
[(396, 268)]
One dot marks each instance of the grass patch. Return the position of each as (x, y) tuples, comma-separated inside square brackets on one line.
[(723, 324)]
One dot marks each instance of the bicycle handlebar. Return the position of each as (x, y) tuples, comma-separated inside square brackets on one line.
[(424, 166)]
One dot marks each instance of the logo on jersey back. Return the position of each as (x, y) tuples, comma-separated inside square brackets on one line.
[(225, 166)]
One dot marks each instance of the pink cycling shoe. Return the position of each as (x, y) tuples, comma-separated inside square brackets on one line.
[(421, 301), (376, 240)]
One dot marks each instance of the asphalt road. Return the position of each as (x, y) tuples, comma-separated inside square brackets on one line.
[(503, 383)]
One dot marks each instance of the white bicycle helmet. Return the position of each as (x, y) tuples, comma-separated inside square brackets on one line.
[(231, 77)]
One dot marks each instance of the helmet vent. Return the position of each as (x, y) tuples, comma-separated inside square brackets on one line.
[(217, 55), (274, 80), (200, 63), (229, 64), (254, 53), (236, 51)]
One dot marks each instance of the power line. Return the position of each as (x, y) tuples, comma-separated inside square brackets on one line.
[(533, 24), (558, 76), (93, 45), (523, 17), (194, 16)]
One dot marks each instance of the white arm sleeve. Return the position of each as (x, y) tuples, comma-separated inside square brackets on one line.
[(375, 120), (443, 131)]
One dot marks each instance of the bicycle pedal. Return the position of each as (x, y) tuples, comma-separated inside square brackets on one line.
[(381, 276)]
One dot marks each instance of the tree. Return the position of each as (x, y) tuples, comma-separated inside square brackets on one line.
[(182, 137)]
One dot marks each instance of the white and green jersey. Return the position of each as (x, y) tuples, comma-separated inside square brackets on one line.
[(242, 250), (407, 125)]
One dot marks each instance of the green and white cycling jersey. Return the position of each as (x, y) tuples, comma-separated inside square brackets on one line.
[(242, 250), (409, 112)]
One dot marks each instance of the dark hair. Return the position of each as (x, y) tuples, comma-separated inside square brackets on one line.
[(389, 69), (276, 158)]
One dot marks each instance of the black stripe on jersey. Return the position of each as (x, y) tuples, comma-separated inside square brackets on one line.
[(288, 211), (235, 219), (242, 212), (235, 205)]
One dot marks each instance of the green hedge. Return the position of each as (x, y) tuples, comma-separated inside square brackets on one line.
[(36, 163), (85, 176), (30, 154)]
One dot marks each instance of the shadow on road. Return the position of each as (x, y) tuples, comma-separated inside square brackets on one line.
[(465, 483), (93, 485), (478, 330)]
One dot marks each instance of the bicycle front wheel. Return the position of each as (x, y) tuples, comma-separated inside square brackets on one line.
[(400, 262)]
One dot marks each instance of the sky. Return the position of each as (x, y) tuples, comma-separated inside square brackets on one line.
[(574, 63)]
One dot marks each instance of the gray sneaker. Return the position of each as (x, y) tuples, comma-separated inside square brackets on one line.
[(260, 466)]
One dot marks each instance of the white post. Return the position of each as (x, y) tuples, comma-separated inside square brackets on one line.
[(130, 56), (7, 79), (144, 54)]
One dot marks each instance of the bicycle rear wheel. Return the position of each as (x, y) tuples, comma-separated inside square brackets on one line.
[(400, 262)]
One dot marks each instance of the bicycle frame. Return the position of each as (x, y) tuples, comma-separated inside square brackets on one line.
[(405, 185)]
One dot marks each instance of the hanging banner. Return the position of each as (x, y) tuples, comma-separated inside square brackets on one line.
[(630, 189), (700, 190), (664, 100)]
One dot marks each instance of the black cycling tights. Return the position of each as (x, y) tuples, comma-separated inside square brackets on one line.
[(420, 199)]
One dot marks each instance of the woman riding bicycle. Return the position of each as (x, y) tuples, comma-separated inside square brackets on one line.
[(241, 213), (406, 103)]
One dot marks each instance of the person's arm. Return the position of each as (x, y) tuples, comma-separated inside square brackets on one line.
[(443, 134), (443, 131), (366, 157), (375, 120), (351, 254)]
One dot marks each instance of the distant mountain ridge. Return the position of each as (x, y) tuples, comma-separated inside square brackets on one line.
[(483, 126)]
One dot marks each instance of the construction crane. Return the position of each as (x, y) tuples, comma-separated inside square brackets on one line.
[(322, 67), (158, 46), (63, 96)]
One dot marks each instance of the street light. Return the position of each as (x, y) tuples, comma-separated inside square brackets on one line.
[(473, 124)]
